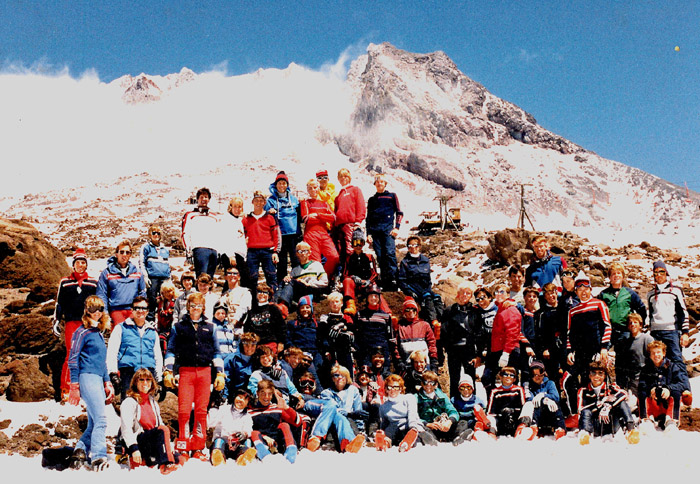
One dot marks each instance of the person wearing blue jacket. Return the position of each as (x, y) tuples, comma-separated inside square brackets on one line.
[(120, 283), (543, 402), (414, 281), (240, 366), (154, 265), (383, 222), (90, 381), (469, 405), (284, 206), (132, 345)]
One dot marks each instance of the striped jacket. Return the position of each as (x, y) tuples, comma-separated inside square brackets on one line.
[(589, 327)]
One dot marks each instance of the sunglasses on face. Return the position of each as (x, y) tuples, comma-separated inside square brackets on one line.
[(429, 383), (508, 375), (303, 251), (412, 246), (125, 252), (140, 308), (338, 375), (322, 177), (155, 233), (96, 309), (481, 298), (409, 310), (233, 274), (307, 384), (393, 387)]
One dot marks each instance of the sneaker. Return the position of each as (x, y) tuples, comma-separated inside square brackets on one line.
[(246, 457), (559, 433), (78, 459), (584, 438), (283, 309), (481, 418), (168, 468), (355, 444), (633, 436), (350, 307), (314, 443), (198, 454), (290, 453), (217, 457), (408, 441), (571, 421)]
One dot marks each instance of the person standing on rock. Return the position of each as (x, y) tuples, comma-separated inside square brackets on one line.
[(383, 222), (350, 212), (621, 302), (326, 191), (200, 235), (70, 304), (233, 248), (154, 265), (318, 216), (545, 268), (668, 315), (284, 206), (120, 283)]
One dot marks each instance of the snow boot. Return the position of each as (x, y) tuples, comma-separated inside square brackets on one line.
[(313, 443), (78, 459), (290, 453), (559, 433), (526, 432), (462, 437), (166, 469), (584, 438), (633, 436), (408, 441), (262, 450), (218, 456), (246, 457), (381, 443), (100, 464), (350, 307), (354, 445), (670, 425)]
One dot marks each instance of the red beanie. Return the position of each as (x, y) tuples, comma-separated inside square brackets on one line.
[(409, 302), (79, 254)]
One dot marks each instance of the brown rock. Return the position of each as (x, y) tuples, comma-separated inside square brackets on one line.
[(28, 383), (505, 245), (26, 333), (447, 288), (27, 259)]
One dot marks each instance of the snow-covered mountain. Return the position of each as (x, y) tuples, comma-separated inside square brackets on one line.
[(415, 117)]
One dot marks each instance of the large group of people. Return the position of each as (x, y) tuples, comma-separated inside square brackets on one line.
[(550, 357)]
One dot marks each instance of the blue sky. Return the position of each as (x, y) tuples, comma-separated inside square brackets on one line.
[(604, 74)]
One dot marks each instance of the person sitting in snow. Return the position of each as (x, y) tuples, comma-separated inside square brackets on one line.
[(543, 403), (661, 387), (233, 426), (603, 408), (505, 406), (267, 368), (439, 416), (398, 417), (471, 408)]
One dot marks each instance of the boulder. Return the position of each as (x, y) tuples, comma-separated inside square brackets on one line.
[(447, 288), (505, 244), (28, 383), (27, 259), (27, 333)]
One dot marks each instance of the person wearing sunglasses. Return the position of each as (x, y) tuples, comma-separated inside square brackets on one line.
[(506, 404), (399, 421), (326, 189), (120, 283), (90, 382), (413, 334), (154, 265), (284, 206), (439, 416), (542, 406), (132, 345), (70, 305)]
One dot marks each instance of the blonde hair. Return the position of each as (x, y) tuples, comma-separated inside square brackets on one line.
[(168, 287), (232, 202), (617, 266), (303, 245), (313, 181), (380, 176), (335, 296), (343, 371), (344, 172), (91, 303)]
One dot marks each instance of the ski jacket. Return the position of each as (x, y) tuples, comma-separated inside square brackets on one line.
[(610, 393), (668, 374), (287, 207), (277, 376), (506, 332), (72, 293), (546, 270), (465, 407), (348, 400), (201, 229), (667, 310), (432, 407), (373, 328), (267, 322), (266, 420), (238, 368), (88, 354), (180, 308), (362, 265), (589, 328), (263, 232), (350, 206), (486, 317), (153, 261), (461, 330), (501, 398), (312, 274), (329, 195), (383, 212), (621, 302), (414, 275), (193, 344), (133, 347), (551, 330), (412, 336), (130, 411), (118, 290), (324, 219), (547, 387), (226, 338), (304, 334)]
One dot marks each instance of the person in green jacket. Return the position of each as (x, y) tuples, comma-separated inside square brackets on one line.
[(621, 302), (438, 415)]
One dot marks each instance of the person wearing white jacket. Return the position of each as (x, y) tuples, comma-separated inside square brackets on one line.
[(232, 243), (232, 428), (146, 437)]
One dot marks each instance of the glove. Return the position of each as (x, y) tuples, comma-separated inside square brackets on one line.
[(335, 330), (350, 337), (604, 414), (503, 360), (56, 328), (116, 381), (551, 404), (537, 401), (109, 392), (276, 373), (74, 394), (168, 379), (147, 280), (220, 381), (189, 257), (356, 280)]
